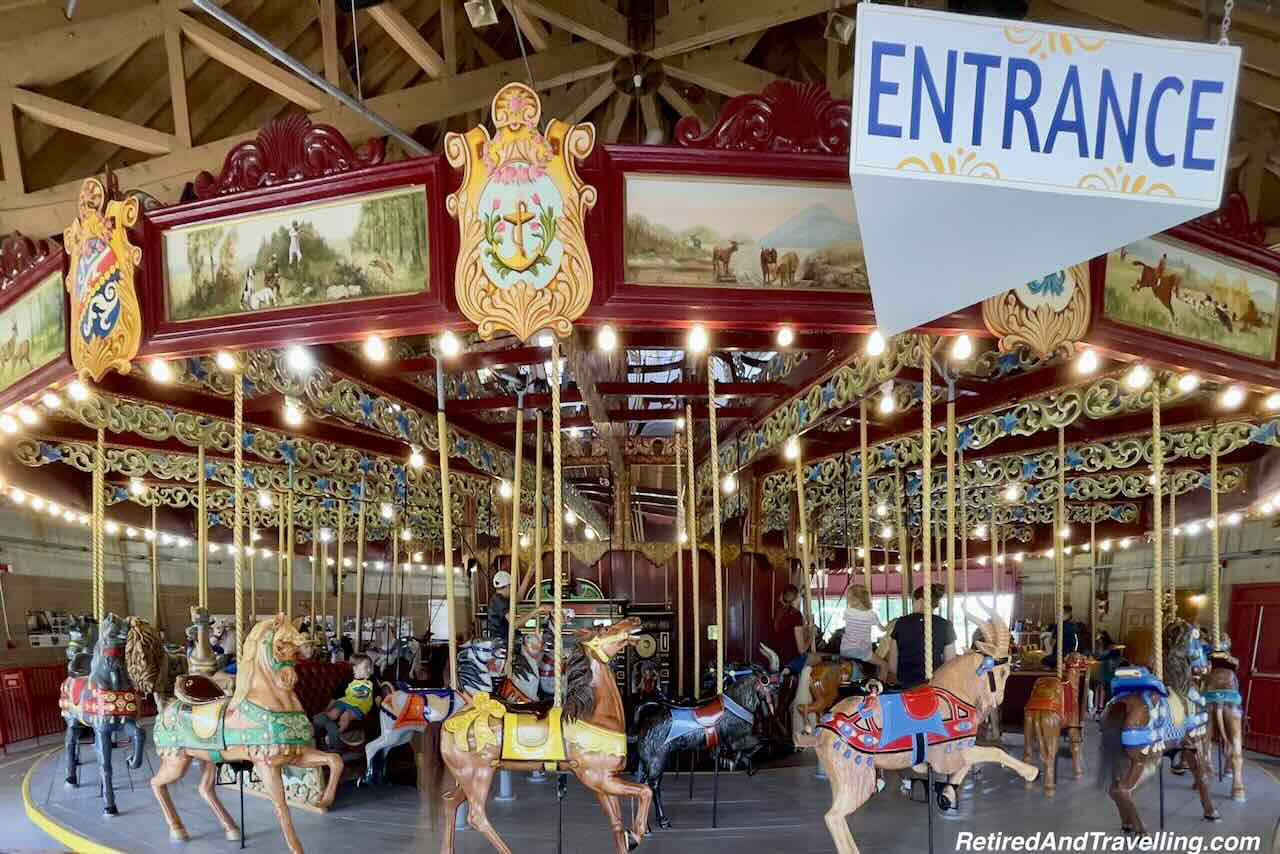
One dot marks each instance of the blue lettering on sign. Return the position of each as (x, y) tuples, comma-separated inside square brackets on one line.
[(1196, 122), (943, 109), (879, 50), (1108, 111)]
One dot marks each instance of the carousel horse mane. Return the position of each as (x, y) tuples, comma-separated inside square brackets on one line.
[(579, 696), (144, 655), (1177, 666), (255, 649)]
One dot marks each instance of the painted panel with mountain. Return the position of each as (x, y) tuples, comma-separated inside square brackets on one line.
[(1167, 286), (742, 233), (33, 330), (312, 254)]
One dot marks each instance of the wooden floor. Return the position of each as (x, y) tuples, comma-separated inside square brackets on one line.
[(778, 810)]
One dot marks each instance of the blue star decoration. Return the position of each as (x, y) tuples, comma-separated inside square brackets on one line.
[(1073, 489), (828, 393), (802, 412), (210, 471), (323, 484), (966, 438), (289, 452), (1204, 481), (247, 441), (247, 478), (49, 453), (1029, 467), (813, 474), (365, 465), (1006, 364), (196, 368), (1008, 423), (914, 482), (1033, 493), (366, 404), (119, 494), (1264, 434), (855, 466), (1073, 459)]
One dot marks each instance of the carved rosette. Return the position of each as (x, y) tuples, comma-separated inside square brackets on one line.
[(1043, 315), (106, 320), (523, 264), (786, 117), (289, 149)]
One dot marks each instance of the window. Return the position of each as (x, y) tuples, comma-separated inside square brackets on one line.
[(829, 613)]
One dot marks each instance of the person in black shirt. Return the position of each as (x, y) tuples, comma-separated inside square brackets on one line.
[(905, 641), (1070, 638)]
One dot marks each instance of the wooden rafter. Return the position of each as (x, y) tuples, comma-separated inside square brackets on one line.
[(91, 124), (407, 36), (716, 21), (592, 20), (177, 85)]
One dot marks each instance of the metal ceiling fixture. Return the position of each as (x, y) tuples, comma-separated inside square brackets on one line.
[(481, 13)]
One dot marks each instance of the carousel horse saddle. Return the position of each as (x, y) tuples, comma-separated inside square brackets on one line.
[(1170, 718), (705, 718), (909, 720), (1223, 696), (532, 737), (1129, 680), (1046, 695), (196, 690), (80, 664)]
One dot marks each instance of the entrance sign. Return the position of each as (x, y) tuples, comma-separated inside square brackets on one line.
[(988, 153)]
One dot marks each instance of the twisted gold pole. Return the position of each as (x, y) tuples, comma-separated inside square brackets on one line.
[(340, 571), (289, 541), (202, 532), (680, 526), (359, 639), (1060, 565), (1215, 554), (237, 524), (538, 511), (695, 575), (1157, 501), (99, 523), (964, 550), (951, 508), (515, 538), (1173, 540), (280, 527), (926, 500), (1093, 579), (904, 555), (715, 522), (446, 517), (155, 567), (865, 496), (557, 522), (802, 512), (315, 563)]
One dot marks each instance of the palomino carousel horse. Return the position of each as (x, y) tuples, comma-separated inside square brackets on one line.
[(725, 722), (586, 736), (262, 723), (1145, 717), (106, 702), (1056, 704), (934, 724), (1221, 690)]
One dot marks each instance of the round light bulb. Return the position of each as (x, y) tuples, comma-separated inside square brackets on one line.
[(52, 401), (524, 541), (882, 509), (8, 423), (264, 498), (792, 448), (730, 484), (680, 423), (78, 390), (406, 535), (416, 459), (875, 343), (786, 337), (589, 533), (450, 346), (292, 412), (1188, 383), (160, 371), (27, 415), (136, 486), (1012, 492), (1272, 402), (299, 359), (385, 510), (375, 349), (1138, 377), (962, 348), (886, 403), (698, 339), (225, 361), (606, 339), (1233, 518), (1232, 396), (1087, 362), (886, 532), (504, 489)]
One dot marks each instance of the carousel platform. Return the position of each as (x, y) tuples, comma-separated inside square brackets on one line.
[(777, 810)]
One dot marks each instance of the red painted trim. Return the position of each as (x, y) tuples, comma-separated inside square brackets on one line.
[(343, 321)]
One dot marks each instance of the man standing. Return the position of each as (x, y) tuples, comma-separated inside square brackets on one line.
[(295, 243), (497, 619), (1070, 638), (903, 646)]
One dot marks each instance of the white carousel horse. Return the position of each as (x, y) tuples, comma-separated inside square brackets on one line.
[(405, 713)]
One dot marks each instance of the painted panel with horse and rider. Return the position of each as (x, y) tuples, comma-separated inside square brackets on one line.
[(1167, 286)]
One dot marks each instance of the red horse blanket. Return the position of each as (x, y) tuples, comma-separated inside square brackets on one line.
[(83, 699), (912, 720)]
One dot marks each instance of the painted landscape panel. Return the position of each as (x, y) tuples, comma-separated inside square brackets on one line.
[(33, 331), (742, 233), (1170, 287), (311, 254)]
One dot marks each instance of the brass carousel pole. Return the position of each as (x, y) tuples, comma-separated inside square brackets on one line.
[(680, 530), (1215, 555), (339, 571), (557, 523), (693, 556), (446, 519), (715, 524), (866, 495), (1173, 540), (315, 562), (904, 555), (964, 548), (280, 554), (253, 578), (202, 532), (359, 639), (237, 535), (538, 511), (926, 500), (155, 567), (1060, 566), (515, 533), (1093, 580), (951, 503), (1157, 500), (289, 541), (805, 551)]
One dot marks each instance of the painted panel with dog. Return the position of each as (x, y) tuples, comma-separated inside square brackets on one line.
[(1167, 286), (363, 247)]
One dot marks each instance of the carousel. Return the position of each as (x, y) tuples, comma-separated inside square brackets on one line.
[(481, 490)]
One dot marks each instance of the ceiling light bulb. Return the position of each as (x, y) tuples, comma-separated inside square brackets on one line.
[(1232, 396), (416, 459), (545, 339), (8, 423), (1087, 362), (299, 359), (111, 527), (1272, 402), (606, 339), (325, 535), (55, 509), (37, 503), (69, 516), (292, 412), (1268, 507), (52, 401), (264, 498), (570, 518), (982, 561), (213, 548), (504, 489), (962, 348), (83, 519), (27, 415), (1012, 492), (450, 346), (792, 448), (160, 371), (148, 535), (225, 361), (875, 343), (980, 532), (1138, 377), (406, 535), (1105, 545), (684, 537), (786, 337), (730, 484), (1126, 542), (882, 509), (385, 510), (1233, 518), (524, 541), (18, 496), (697, 339), (862, 552), (680, 423), (375, 349), (136, 486), (589, 533), (1065, 531), (886, 532), (1193, 528), (886, 405), (1188, 383), (130, 532), (78, 390)]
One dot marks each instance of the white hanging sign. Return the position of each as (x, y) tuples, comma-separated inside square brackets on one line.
[(987, 153)]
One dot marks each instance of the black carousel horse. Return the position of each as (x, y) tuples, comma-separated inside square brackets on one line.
[(105, 702), (725, 723)]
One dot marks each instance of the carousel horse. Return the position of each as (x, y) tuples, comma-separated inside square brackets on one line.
[(933, 725), (262, 723), (81, 638), (105, 701), (1145, 717), (405, 713), (1056, 704), (587, 736), (1221, 690), (725, 722), (817, 691)]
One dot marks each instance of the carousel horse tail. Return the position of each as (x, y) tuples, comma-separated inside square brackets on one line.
[(1111, 743)]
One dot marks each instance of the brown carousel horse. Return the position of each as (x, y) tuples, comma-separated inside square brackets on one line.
[(1056, 704), (262, 723), (935, 725), (1221, 691), (586, 736), (1146, 717)]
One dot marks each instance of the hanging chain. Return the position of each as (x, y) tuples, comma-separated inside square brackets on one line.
[(1227, 8)]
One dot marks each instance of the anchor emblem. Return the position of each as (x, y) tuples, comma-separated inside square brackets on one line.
[(523, 221)]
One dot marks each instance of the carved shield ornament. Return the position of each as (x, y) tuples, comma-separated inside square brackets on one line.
[(106, 321), (523, 264), (1042, 315)]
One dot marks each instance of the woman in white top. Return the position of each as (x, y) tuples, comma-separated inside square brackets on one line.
[(859, 619)]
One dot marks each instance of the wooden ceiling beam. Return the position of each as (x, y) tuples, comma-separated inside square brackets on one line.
[(592, 20), (533, 30), (726, 76), (85, 122), (723, 413), (716, 21), (695, 390), (616, 116), (500, 403), (410, 40), (43, 58), (472, 360), (82, 90)]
